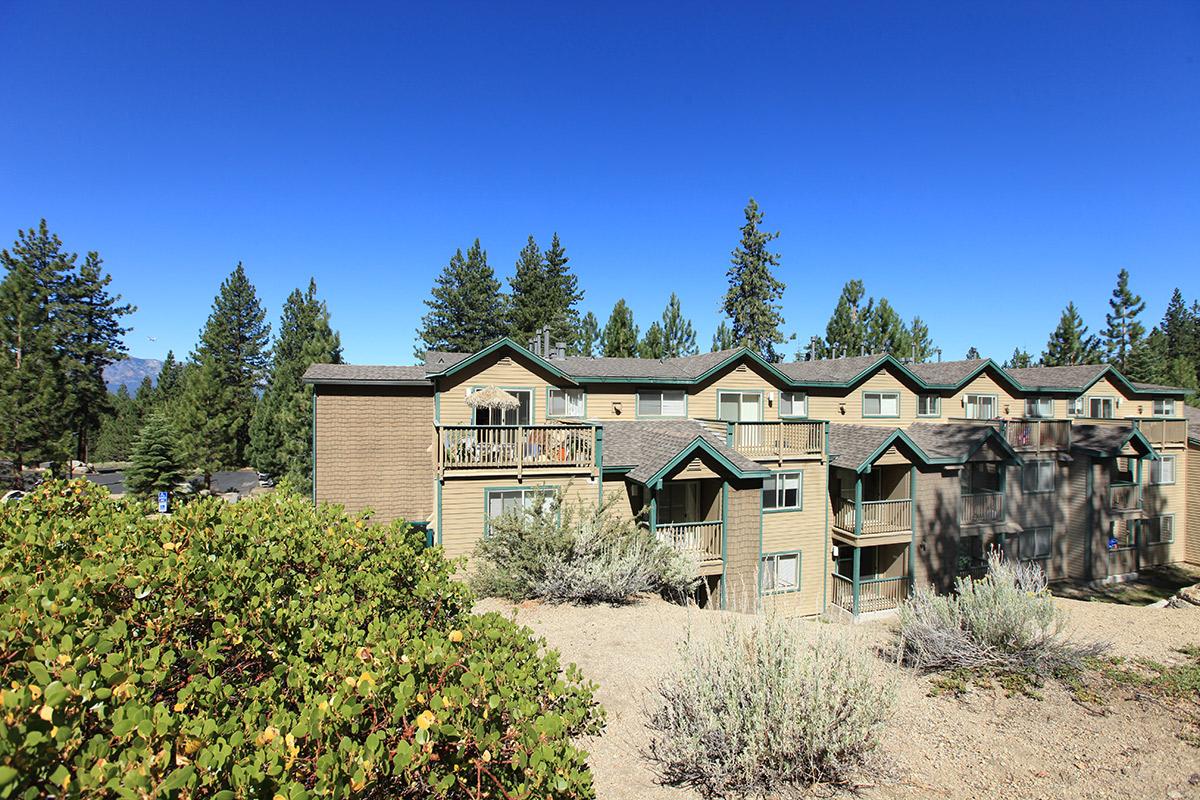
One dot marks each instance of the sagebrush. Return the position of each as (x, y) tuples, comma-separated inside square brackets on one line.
[(763, 710), (577, 552), (263, 649), (1006, 620)]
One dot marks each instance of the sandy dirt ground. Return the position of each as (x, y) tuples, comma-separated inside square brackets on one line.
[(982, 745)]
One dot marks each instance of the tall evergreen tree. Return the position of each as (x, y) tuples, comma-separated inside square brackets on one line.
[(846, 332), (886, 332), (563, 293), (973, 353), (156, 466), (528, 300), (233, 355), (752, 302), (653, 344), (91, 339), (1181, 326), (1019, 359), (34, 412), (588, 338), (922, 348), (1124, 330), (679, 337), (467, 311), (280, 438), (170, 379), (1070, 344), (723, 338), (620, 335), (118, 428), (205, 420), (1148, 360)]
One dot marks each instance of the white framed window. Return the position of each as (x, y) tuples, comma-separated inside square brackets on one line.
[(881, 404), (1101, 407), (979, 406), (1075, 407), (783, 491), (780, 572), (502, 501), (564, 402), (739, 406), (661, 403), (793, 404), (1159, 530), (1039, 407), (1164, 408), (1032, 544), (1037, 476), (1162, 471), (929, 405), (522, 415)]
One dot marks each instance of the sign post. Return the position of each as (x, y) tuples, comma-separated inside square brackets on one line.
[(163, 501)]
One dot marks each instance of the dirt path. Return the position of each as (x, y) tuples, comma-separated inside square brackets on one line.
[(935, 746)]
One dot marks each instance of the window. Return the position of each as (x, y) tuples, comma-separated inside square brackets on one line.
[(512, 416), (679, 501), (1039, 407), (929, 405), (1029, 545), (1164, 408), (781, 572), (739, 406), (881, 404), (661, 403), (502, 501), (783, 491), (980, 477), (1037, 476), (1075, 407), (1159, 530), (1123, 533), (972, 560), (979, 406), (1163, 470), (564, 402), (1101, 407), (793, 404)]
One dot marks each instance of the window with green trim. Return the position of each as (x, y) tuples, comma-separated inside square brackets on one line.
[(1164, 408), (564, 402), (661, 403), (1159, 530), (1039, 407), (505, 501), (1037, 476), (881, 404), (512, 416), (980, 406), (780, 572), (783, 491), (929, 405), (1075, 407), (1101, 407), (1162, 471), (1032, 544), (793, 404)]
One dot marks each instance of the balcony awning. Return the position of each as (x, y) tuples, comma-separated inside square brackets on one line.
[(859, 447), (1108, 440), (647, 451)]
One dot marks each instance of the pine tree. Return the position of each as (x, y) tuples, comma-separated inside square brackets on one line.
[(280, 438), (653, 344), (1124, 330), (1148, 360), (922, 348), (973, 353), (752, 301), (1019, 359), (723, 338), (1070, 344), (233, 354), (467, 311), (34, 421), (588, 338), (1181, 326), (679, 337), (170, 378), (91, 339), (146, 398), (886, 332), (156, 466), (527, 300), (620, 335), (846, 332), (563, 294), (207, 430), (118, 428)]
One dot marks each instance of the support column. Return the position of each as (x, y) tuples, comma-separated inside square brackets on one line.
[(912, 545), (857, 509), (856, 573)]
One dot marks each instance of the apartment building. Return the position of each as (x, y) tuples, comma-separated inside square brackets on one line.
[(834, 484)]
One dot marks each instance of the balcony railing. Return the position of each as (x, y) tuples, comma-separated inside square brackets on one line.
[(515, 447), (874, 594), (981, 507), (779, 440), (1038, 434), (1164, 432), (878, 516), (702, 539), (1124, 497)]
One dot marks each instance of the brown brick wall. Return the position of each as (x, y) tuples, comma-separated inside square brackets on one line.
[(742, 539), (373, 450)]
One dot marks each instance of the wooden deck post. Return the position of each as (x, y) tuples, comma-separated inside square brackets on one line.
[(856, 573), (857, 516)]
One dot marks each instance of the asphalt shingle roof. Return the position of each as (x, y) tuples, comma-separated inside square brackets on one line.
[(945, 372), (1192, 415), (850, 445), (363, 373), (1105, 438), (829, 370), (1075, 377), (649, 445)]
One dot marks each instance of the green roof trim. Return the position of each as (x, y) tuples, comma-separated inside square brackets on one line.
[(1135, 435), (900, 435), (700, 443), (499, 344)]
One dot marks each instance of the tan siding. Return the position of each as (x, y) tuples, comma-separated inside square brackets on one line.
[(828, 404), (1167, 499), (1076, 528), (702, 400), (804, 530), (985, 383), (373, 450), (742, 530), (1191, 551), (504, 371)]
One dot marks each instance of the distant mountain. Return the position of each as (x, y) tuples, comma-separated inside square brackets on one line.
[(129, 373)]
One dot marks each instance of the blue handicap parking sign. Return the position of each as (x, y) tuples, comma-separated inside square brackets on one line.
[(162, 502)]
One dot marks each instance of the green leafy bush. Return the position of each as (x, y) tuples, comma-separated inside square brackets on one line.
[(758, 711), (1006, 620), (576, 553), (263, 649)]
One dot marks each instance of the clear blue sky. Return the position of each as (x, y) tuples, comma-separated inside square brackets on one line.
[(978, 164)]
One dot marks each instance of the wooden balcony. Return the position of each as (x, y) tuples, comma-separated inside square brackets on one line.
[(515, 448), (981, 508), (699, 539), (779, 440), (1038, 435), (1124, 497), (878, 517), (871, 594), (1164, 432)]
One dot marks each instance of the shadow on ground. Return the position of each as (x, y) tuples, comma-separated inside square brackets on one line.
[(1152, 584)]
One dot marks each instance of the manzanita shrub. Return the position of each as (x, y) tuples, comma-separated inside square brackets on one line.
[(264, 649)]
